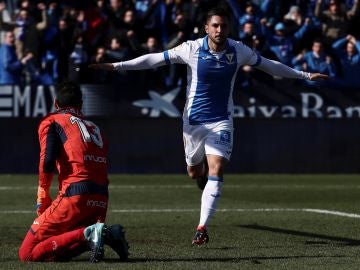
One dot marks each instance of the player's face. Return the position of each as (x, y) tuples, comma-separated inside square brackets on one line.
[(217, 29)]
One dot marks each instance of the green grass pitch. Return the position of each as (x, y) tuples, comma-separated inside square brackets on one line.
[(263, 222)]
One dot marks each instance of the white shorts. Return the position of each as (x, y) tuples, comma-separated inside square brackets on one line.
[(207, 139)]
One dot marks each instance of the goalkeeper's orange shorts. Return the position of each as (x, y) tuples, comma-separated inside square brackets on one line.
[(67, 213)]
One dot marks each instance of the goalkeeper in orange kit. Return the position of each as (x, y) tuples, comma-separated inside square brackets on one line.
[(73, 222)]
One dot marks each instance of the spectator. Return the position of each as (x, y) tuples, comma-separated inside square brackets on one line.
[(48, 74), (81, 26), (78, 60), (62, 48), (179, 31), (28, 32), (294, 18), (10, 66), (247, 33), (250, 13), (348, 51), (155, 78), (152, 13), (97, 25), (281, 43), (4, 18), (248, 74), (197, 15), (101, 77), (117, 51), (271, 11), (135, 23), (179, 34), (315, 60), (335, 21), (115, 13), (53, 14)]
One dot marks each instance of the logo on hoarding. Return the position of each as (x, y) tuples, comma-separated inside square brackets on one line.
[(159, 103), (28, 101)]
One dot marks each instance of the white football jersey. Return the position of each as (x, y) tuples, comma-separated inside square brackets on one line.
[(210, 77)]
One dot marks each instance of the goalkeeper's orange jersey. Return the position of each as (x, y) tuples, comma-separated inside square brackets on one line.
[(74, 146)]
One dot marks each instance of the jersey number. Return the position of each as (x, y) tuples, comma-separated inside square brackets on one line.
[(89, 131)]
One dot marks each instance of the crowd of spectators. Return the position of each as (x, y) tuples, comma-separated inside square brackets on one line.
[(43, 42)]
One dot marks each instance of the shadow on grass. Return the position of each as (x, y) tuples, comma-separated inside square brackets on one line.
[(343, 240)]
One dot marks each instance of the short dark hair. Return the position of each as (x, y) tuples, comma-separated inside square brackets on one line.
[(218, 11), (318, 40), (68, 94)]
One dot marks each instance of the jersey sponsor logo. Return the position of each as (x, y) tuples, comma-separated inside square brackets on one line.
[(159, 103), (95, 158), (93, 203)]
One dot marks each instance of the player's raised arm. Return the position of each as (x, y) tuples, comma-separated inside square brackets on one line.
[(276, 68), (146, 61)]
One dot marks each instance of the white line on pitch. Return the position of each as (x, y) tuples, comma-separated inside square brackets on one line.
[(243, 186), (309, 210)]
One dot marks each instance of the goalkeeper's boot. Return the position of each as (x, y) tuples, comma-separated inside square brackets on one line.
[(201, 237), (115, 238), (202, 180), (95, 235)]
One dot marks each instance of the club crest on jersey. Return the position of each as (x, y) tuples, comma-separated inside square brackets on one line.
[(229, 58)]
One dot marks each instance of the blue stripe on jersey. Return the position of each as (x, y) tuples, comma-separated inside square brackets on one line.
[(166, 56), (258, 60), (214, 84), (215, 178)]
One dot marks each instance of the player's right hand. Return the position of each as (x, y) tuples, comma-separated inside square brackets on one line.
[(318, 77)]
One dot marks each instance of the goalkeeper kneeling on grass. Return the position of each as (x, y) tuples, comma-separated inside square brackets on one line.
[(73, 223)]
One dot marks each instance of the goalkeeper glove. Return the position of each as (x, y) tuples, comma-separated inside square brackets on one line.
[(43, 200)]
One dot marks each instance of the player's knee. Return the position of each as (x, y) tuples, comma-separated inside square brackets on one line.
[(216, 168), (23, 255), (194, 173), (26, 248)]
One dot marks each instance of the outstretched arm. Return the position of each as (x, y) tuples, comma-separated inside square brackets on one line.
[(276, 68), (146, 61)]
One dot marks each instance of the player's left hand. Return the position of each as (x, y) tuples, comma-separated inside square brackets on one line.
[(43, 199), (318, 77), (42, 205)]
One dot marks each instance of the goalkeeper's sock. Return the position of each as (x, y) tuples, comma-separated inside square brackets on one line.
[(209, 199), (60, 247)]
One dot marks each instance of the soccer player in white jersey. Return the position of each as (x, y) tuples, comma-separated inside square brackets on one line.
[(212, 63)]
